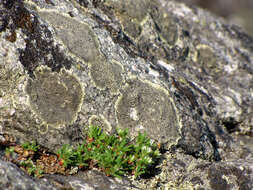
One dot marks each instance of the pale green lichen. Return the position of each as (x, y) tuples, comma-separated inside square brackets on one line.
[(77, 36), (9, 79), (144, 106), (82, 42), (12, 78), (131, 26), (166, 26), (55, 97), (130, 14), (133, 8), (107, 74), (207, 60)]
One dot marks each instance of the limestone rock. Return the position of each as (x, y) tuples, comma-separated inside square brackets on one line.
[(180, 74)]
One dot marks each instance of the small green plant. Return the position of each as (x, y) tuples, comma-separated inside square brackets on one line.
[(9, 151), (31, 168), (116, 155), (30, 146)]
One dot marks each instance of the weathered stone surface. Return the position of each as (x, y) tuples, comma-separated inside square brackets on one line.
[(11, 177), (185, 172), (179, 74), (90, 180)]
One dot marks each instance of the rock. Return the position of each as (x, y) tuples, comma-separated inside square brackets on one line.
[(89, 180), (180, 74), (183, 171), (14, 178)]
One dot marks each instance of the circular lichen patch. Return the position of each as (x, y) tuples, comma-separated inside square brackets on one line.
[(144, 106), (55, 97), (77, 36), (107, 74), (130, 13)]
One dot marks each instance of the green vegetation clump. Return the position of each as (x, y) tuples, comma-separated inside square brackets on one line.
[(115, 154), (9, 151), (31, 168), (23, 156), (30, 146)]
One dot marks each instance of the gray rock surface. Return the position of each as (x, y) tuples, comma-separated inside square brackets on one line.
[(180, 74), (11, 177)]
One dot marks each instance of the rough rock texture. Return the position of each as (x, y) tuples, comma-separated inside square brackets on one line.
[(14, 178), (180, 74), (236, 12)]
